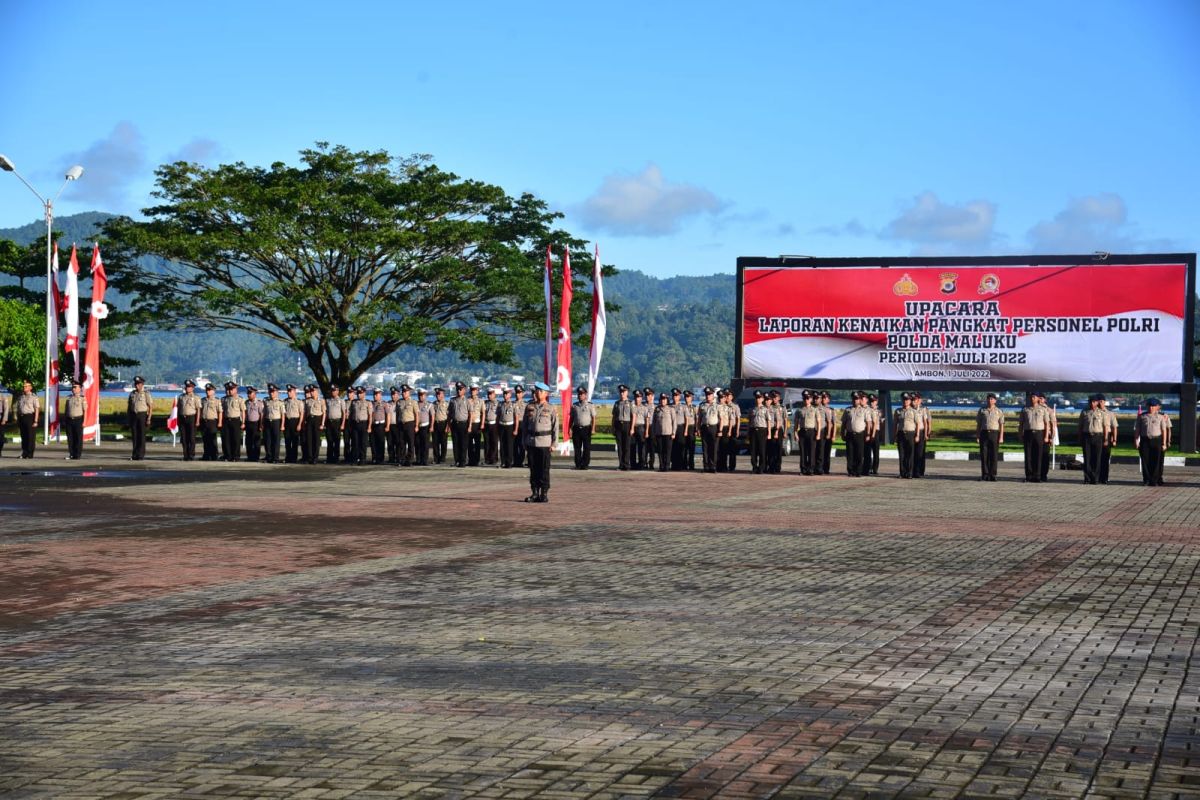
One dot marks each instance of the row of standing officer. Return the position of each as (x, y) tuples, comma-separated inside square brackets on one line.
[(27, 409), (646, 431)]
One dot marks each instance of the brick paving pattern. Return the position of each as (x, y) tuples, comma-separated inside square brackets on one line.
[(233, 630)]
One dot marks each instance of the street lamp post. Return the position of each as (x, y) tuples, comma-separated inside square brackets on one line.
[(48, 206)]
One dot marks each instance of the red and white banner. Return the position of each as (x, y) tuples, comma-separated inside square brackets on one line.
[(91, 370), (1086, 323), (71, 345), (173, 420), (53, 369), (563, 377), (549, 322), (599, 325)]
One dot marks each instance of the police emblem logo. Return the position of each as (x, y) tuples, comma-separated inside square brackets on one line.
[(989, 284), (905, 287), (948, 282)]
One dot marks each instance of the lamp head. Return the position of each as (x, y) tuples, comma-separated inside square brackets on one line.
[(5, 164), (73, 173)]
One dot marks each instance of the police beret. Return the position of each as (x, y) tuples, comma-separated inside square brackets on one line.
[(139, 379), (1154, 401), (250, 389), (189, 382), (541, 387), (208, 387)]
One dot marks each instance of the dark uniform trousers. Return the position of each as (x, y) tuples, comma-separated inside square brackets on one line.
[(460, 444), (989, 453), (291, 439), (1151, 452), (358, 441), (508, 444), (395, 444), (689, 449), (730, 453), (233, 435), (270, 430), (1045, 466), (919, 458), (906, 444), (581, 440), (856, 453), (1105, 460), (708, 447), (1093, 443), (302, 433), (1035, 444), (187, 436), (491, 442), (254, 440), (313, 426), (774, 454), (808, 451), (422, 440), (28, 435), (441, 431), (825, 448), (74, 428), (474, 445), (208, 432), (379, 436), (650, 448), (539, 467), (333, 440), (137, 432), (624, 444), (677, 459), (758, 450), (643, 449), (223, 432), (408, 443), (873, 453), (350, 454), (664, 451)]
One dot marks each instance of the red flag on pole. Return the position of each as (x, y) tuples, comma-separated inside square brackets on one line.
[(71, 302), (52, 365), (563, 382), (91, 370), (549, 322), (173, 420)]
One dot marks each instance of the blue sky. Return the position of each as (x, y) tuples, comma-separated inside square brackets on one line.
[(678, 135)]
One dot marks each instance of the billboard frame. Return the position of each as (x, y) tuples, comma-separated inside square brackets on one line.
[(1185, 388)]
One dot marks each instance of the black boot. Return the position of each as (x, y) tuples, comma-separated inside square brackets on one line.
[(533, 496), (545, 495)]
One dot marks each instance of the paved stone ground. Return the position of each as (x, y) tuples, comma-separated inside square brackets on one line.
[(200, 631)]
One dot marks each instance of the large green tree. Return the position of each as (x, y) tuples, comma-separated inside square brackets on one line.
[(22, 344), (346, 258)]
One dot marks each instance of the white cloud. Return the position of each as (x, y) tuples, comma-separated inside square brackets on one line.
[(644, 204), (936, 226), (851, 228), (110, 166), (1090, 223), (198, 151)]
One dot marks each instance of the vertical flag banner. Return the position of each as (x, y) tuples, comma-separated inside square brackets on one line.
[(563, 382), (91, 371), (72, 302), (173, 420), (599, 325), (549, 322), (52, 366)]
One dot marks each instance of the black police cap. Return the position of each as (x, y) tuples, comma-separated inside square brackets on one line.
[(208, 387), (139, 379), (459, 385), (622, 388), (1154, 401), (290, 387), (581, 390), (189, 382), (272, 387), (688, 393)]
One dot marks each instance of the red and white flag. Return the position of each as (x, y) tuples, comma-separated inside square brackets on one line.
[(173, 420), (563, 382), (71, 345), (91, 370), (53, 302), (599, 325), (549, 322)]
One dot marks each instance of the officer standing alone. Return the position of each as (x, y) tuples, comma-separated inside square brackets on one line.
[(73, 413), (188, 409), (1153, 439), (541, 434), (141, 409), (989, 429)]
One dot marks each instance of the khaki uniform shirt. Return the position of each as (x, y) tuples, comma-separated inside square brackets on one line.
[(75, 407), (622, 411), (254, 410), (210, 408), (1092, 421), (1033, 418), (809, 418), (424, 413), (662, 421), (380, 413), (583, 413), (907, 419), (407, 410), (274, 409), (476, 406), (139, 401), (28, 404), (989, 419), (460, 409), (829, 416), (708, 414), (5, 408), (760, 417), (1153, 424), (360, 410), (189, 404), (235, 407), (314, 407), (335, 408), (856, 419), (540, 425), (506, 413), (441, 410), (293, 407)]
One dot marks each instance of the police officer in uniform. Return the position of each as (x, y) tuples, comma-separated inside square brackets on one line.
[(491, 438), (210, 421), (424, 426), (826, 446), (760, 426), (680, 429), (360, 420), (926, 431), (638, 451), (460, 423), (188, 408), (689, 436), (733, 433), (314, 423), (380, 427), (393, 437), (583, 426), (708, 418), (810, 431), (1152, 438), (441, 425), (407, 411), (1035, 435), (519, 456), (221, 432), (649, 442), (29, 411), (475, 428), (622, 427), (909, 430), (234, 422), (989, 429), (1093, 430), (348, 454), (335, 424), (254, 424), (74, 411), (5, 413), (141, 408), (873, 443), (506, 419), (779, 430), (274, 412), (1051, 432), (662, 428), (541, 434), (857, 422), (293, 424), (1110, 439)]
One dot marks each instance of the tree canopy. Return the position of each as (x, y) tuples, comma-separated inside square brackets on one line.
[(22, 344), (346, 258)]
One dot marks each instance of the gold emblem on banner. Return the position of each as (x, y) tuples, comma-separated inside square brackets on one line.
[(949, 282), (989, 284), (905, 287)]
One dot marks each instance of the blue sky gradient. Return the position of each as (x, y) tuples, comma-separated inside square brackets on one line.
[(678, 135)]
